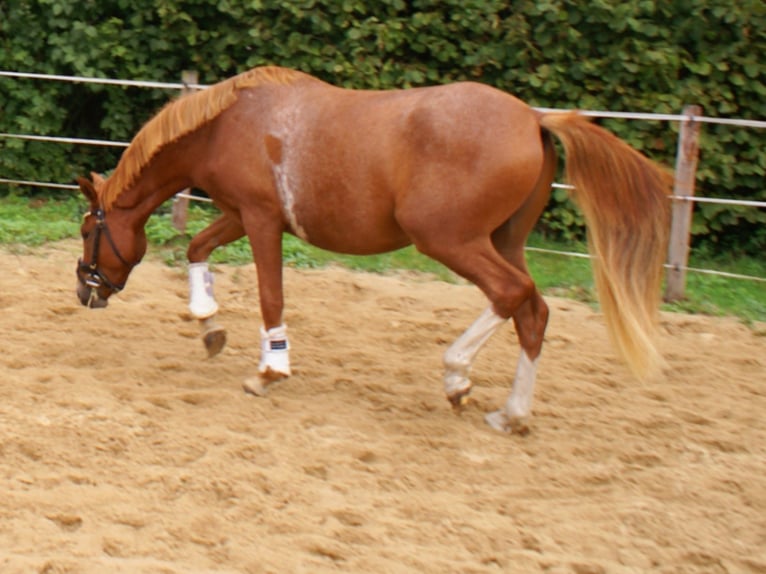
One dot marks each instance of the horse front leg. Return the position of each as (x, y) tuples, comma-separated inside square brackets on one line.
[(202, 303), (266, 242)]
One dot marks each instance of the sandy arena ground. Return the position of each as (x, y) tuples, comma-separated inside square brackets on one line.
[(124, 449)]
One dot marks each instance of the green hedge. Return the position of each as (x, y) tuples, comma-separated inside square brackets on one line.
[(623, 55)]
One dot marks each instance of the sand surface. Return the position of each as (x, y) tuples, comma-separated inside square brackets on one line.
[(124, 449)]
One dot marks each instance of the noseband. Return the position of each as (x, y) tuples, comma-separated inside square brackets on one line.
[(88, 273)]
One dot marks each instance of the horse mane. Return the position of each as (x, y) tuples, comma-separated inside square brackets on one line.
[(181, 117)]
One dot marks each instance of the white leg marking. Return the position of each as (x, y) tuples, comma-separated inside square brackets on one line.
[(202, 303), (461, 354), (519, 403)]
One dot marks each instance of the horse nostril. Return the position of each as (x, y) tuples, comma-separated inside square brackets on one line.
[(95, 302), (90, 298)]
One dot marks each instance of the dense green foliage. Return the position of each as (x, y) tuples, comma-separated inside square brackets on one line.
[(627, 55)]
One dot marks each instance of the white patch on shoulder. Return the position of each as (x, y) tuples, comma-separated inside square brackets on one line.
[(286, 190), (287, 129)]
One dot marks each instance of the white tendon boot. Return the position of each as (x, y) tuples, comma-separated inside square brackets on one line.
[(203, 307), (275, 360), (202, 304), (275, 354)]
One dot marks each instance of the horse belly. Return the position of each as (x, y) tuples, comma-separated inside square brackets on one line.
[(345, 224), (345, 214)]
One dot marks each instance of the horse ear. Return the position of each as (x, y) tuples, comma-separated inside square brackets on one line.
[(88, 190), (98, 181)]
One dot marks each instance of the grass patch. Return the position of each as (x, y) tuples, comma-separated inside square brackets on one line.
[(26, 222), (33, 222), (715, 295)]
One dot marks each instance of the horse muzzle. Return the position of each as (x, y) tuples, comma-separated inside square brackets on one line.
[(89, 297)]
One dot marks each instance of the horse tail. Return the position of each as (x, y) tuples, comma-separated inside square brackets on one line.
[(624, 197)]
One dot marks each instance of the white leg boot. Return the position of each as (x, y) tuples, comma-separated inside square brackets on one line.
[(202, 304), (275, 360), (275, 353)]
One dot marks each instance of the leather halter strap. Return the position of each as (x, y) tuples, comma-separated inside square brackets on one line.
[(88, 273)]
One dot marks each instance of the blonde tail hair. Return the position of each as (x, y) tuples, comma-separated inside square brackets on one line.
[(624, 197)]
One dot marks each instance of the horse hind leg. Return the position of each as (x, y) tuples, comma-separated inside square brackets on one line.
[(530, 320), (531, 316), (512, 293), (460, 356), (202, 303)]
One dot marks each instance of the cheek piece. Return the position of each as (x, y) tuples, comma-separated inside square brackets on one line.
[(88, 274)]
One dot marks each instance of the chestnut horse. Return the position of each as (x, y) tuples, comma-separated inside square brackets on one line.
[(461, 171)]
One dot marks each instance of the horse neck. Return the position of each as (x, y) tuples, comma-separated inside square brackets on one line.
[(167, 173)]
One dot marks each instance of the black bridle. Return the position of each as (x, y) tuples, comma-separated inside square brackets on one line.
[(88, 273)]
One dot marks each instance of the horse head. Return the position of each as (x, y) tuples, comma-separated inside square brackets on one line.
[(110, 249)]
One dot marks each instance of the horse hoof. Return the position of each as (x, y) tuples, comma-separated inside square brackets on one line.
[(460, 399), (257, 385), (254, 386), (269, 375), (215, 340), (500, 421)]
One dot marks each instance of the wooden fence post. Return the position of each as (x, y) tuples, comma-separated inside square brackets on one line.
[(181, 204), (680, 229)]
